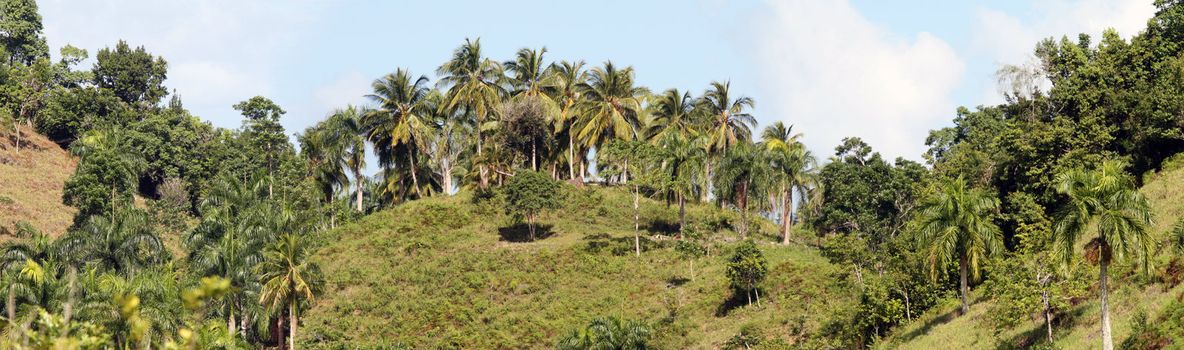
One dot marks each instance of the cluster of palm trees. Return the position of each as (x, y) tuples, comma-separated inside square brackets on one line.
[(466, 131)]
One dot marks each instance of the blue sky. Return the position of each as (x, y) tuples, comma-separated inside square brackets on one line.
[(884, 71)]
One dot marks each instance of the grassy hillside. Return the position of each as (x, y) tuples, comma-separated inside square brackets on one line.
[(445, 273), (31, 181), (940, 328)]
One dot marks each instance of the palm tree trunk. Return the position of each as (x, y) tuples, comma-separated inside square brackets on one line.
[(414, 178), (534, 164), (530, 225), (786, 225), (358, 180), (636, 221), (571, 157), (447, 178), (962, 267), (484, 174), (1107, 340), (1047, 314), (682, 215), (292, 321), (742, 202)]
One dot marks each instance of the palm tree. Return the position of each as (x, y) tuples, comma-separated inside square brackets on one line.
[(743, 173), (529, 76), (673, 112), (351, 130), (289, 278), (1104, 198), (608, 334), (730, 124), (472, 89), (683, 156), (569, 77), (402, 121), (956, 222), (447, 143), (613, 108), (124, 243), (793, 165)]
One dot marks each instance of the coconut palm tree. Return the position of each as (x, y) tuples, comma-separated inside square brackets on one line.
[(1104, 199), (528, 76), (447, 143), (568, 79), (402, 121), (743, 173), (955, 222), (793, 165), (613, 106), (683, 156), (289, 279), (673, 112), (472, 89), (730, 123), (350, 129)]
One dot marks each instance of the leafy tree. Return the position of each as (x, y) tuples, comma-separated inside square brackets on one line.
[(955, 222), (690, 251), (529, 193), (637, 158), (289, 277), (135, 76), (682, 157), (70, 113), (263, 130), (1104, 197), (525, 129), (400, 126), (608, 333), (106, 177), (472, 90), (747, 268), (22, 36)]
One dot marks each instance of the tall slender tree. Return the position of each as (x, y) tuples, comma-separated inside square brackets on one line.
[(955, 222), (1103, 199), (400, 125), (793, 166), (472, 84), (568, 79), (613, 106), (289, 279), (743, 173), (673, 112)]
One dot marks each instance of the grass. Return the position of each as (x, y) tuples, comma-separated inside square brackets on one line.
[(445, 273), (31, 182), (1131, 293)]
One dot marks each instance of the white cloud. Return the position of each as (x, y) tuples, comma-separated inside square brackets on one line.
[(219, 51), (349, 88), (834, 74), (1005, 38)]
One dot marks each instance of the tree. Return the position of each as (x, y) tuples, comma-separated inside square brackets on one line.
[(529, 193), (682, 157), (743, 173), (674, 112), (613, 107), (955, 222), (20, 25), (400, 126), (123, 243), (747, 268), (448, 143), (472, 89), (263, 130), (1105, 199), (639, 159), (525, 129), (793, 166), (135, 76), (730, 123), (568, 78), (289, 277), (27, 91), (609, 333), (107, 174)]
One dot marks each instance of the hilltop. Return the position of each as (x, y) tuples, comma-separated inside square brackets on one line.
[(31, 181), (447, 273)]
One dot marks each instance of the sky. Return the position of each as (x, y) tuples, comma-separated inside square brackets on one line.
[(885, 71)]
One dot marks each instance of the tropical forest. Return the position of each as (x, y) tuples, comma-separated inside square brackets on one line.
[(531, 202)]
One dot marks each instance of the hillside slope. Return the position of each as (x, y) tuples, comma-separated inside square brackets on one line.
[(31, 181), (445, 273), (939, 328)]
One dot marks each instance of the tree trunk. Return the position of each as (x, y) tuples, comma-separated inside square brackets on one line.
[(17, 126), (636, 221), (230, 322), (293, 321), (682, 215), (534, 164), (414, 178), (571, 157), (530, 225), (484, 174), (962, 267), (908, 313), (705, 194), (742, 202), (786, 218), (1047, 314), (358, 180), (1107, 341)]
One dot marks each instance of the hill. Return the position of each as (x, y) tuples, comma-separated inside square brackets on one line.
[(31, 181), (447, 273), (1133, 295)]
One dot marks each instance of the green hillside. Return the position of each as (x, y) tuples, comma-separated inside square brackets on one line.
[(939, 328), (443, 272), (31, 181)]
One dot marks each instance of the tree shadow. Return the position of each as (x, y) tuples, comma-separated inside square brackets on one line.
[(1039, 334), (736, 301), (618, 246), (676, 281), (662, 227), (928, 326), (520, 232)]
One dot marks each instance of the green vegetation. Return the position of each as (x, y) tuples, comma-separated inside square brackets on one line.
[(159, 230)]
